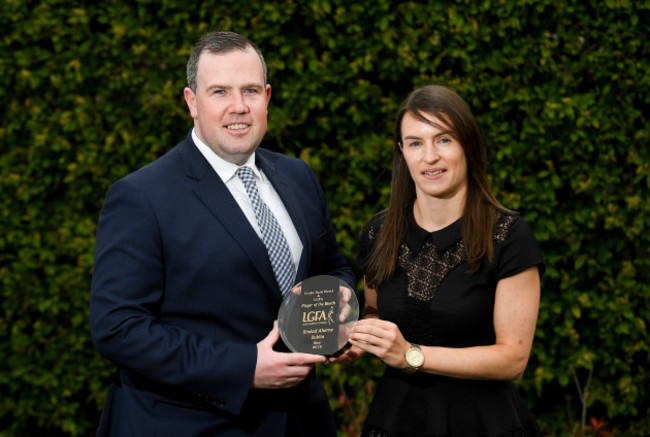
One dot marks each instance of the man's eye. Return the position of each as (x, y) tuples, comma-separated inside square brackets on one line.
[(251, 91), (219, 91)]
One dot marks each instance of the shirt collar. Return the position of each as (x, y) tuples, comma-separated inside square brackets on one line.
[(442, 239), (226, 170)]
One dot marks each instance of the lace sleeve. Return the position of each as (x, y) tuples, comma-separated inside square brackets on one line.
[(368, 238), (516, 248)]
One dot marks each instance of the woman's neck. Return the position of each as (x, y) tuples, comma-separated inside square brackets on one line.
[(434, 214)]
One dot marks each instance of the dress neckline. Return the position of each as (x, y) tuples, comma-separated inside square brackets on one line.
[(442, 239)]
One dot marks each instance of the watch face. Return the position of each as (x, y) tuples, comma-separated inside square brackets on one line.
[(414, 357)]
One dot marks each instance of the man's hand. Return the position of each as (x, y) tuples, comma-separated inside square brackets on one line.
[(280, 369)]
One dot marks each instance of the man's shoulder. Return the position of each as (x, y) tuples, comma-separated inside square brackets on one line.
[(280, 161), (275, 157), (164, 170)]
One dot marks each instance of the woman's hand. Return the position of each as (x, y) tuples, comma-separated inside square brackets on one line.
[(382, 339), (351, 354)]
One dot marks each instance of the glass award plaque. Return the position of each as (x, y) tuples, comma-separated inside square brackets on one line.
[(318, 316)]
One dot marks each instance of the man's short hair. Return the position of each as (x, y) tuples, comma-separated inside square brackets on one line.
[(219, 43)]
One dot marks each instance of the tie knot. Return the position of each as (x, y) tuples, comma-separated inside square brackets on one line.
[(245, 173)]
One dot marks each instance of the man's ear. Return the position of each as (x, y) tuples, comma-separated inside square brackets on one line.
[(190, 99)]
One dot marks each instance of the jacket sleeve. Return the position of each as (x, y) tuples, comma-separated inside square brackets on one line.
[(128, 287)]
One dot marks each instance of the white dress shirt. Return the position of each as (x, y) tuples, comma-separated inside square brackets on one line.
[(227, 171)]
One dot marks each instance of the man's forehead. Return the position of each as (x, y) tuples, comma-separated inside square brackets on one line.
[(236, 55), (234, 66), (209, 51)]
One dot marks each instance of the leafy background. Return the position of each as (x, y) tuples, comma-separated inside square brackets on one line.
[(90, 91)]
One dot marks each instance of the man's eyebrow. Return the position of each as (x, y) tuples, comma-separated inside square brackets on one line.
[(257, 86), (230, 87)]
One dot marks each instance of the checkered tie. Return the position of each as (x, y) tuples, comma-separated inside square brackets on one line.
[(272, 235)]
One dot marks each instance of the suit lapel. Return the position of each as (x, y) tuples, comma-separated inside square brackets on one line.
[(211, 190)]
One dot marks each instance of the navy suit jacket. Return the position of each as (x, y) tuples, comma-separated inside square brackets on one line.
[(183, 290)]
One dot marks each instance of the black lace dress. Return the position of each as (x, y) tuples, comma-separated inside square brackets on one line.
[(435, 302)]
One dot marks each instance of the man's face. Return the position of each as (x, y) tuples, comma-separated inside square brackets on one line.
[(229, 107)]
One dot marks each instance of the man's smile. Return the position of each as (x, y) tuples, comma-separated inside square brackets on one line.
[(237, 126)]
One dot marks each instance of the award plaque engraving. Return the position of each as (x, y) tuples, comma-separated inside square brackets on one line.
[(318, 315)]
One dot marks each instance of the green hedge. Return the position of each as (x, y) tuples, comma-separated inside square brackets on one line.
[(90, 91)]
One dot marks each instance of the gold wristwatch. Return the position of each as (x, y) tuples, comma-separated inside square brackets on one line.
[(414, 359)]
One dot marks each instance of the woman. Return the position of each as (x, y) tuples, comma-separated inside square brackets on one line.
[(452, 285)]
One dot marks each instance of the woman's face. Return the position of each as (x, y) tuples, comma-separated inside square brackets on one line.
[(434, 158)]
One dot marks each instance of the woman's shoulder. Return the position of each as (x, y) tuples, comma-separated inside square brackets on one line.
[(368, 237), (515, 245), (510, 224), (505, 220), (373, 225)]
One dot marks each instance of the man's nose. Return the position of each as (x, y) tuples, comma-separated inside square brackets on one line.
[(238, 103)]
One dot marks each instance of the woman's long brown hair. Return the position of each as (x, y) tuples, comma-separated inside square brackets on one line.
[(479, 212)]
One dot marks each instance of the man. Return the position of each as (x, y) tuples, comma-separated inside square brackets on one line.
[(185, 291)]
